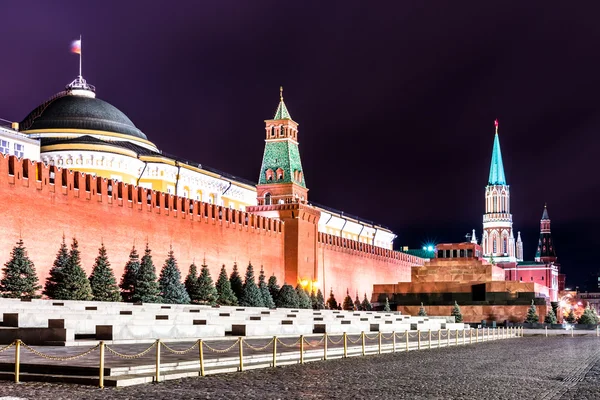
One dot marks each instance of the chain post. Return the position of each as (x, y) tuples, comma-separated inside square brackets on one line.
[(456, 337), (572, 330), (363, 342), (157, 373), (345, 345), (429, 338), (597, 331), (448, 338), (394, 341), (201, 356), (439, 338), (379, 349), (17, 359), (470, 335), (101, 370), (406, 333), (488, 329), (418, 339), (301, 349), (325, 347), (477, 335), (274, 351), (241, 340)]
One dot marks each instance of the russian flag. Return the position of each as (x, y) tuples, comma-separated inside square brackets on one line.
[(76, 46)]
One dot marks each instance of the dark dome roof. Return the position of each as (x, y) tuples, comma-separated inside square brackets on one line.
[(70, 111)]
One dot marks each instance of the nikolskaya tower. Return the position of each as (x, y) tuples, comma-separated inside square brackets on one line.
[(498, 240)]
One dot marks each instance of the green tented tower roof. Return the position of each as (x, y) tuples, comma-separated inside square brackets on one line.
[(497, 176)]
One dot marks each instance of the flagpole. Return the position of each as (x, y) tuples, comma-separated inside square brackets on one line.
[(80, 48)]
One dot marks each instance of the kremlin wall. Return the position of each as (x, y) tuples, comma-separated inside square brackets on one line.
[(98, 178)]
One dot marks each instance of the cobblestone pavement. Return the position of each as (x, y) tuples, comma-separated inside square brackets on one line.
[(525, 368)]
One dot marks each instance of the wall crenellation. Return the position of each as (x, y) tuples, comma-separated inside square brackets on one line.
[(88, 187)]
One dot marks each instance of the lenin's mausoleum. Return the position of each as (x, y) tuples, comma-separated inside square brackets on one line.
[(77, 166)]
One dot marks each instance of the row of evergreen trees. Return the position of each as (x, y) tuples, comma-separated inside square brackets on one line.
[(589, 316)]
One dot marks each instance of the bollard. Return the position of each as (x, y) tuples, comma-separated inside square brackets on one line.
[(345, 345), (456, 338), (325, 346), (448, 338), (572, 330), (406, 334), (546, 329), (301, 349), (464, 337), (488, 329), (201, 356), (430, 339), (274, 351), (418, 339), (394, 341), (439, 338), (597, 332), (101, 370), (157, 373), (470, 335), (17, 359), (241, 340), (379, 349), (363, 342)]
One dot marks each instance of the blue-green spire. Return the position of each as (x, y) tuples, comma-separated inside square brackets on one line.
[(497, 167), (282, 111)]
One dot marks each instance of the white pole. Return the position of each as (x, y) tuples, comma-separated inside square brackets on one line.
[(80, 51)]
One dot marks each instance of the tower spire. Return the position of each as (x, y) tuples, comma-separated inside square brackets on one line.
[(282, 111), (497, 176)]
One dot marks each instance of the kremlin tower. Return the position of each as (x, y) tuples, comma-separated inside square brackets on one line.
[(545, 250), (498, 241)]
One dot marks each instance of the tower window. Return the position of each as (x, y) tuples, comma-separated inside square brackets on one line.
[(268, 199)]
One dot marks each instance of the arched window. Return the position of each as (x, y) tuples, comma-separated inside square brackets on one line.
[(272, 131), (504, 244), (280, 174), (268, 199), (494, 244), (281, 131)]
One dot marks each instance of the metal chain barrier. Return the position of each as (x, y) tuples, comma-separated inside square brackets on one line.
[(7, 347), (130, 356), (387, 338), (56, 358), (444, 334), (171, 350), (415, 334), (371, 338), (258, 348), (289, 345), (354, 341), (221, 350), (315, 344), (399, 335), (332, 342)]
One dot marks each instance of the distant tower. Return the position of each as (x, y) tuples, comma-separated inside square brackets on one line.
[(498, 240), (519, 247), (546, 252), (473, 237), (282, 193)]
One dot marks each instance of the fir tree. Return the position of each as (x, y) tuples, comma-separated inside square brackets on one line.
[(348, 304), (273, 287), (366, 304), (192, 285), (236, 282), (19, 278), (313, 300), (102, 279), (571, 317), (588, 317), (532, 316), (147, 289), (331, 302), (456, 313), (386, 306), (303, 299), (56, 275), (550, 317), (251, 295), (129, 278), (171, 289), (75, 284), (226, 297), (264, 289), (357, 305), (422, 312), (206, 289), (287, 297), (320, 300)]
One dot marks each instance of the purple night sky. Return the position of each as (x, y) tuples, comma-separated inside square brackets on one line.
[(396, 103)]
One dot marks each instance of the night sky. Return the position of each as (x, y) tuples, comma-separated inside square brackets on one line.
[(396, 102)]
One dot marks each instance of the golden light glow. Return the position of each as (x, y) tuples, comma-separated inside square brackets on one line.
[(304, 282)]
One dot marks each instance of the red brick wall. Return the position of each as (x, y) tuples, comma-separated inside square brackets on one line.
[(348, 264), (41, 213)]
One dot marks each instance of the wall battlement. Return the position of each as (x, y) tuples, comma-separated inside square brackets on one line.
[(89, 188), (366, 250)]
